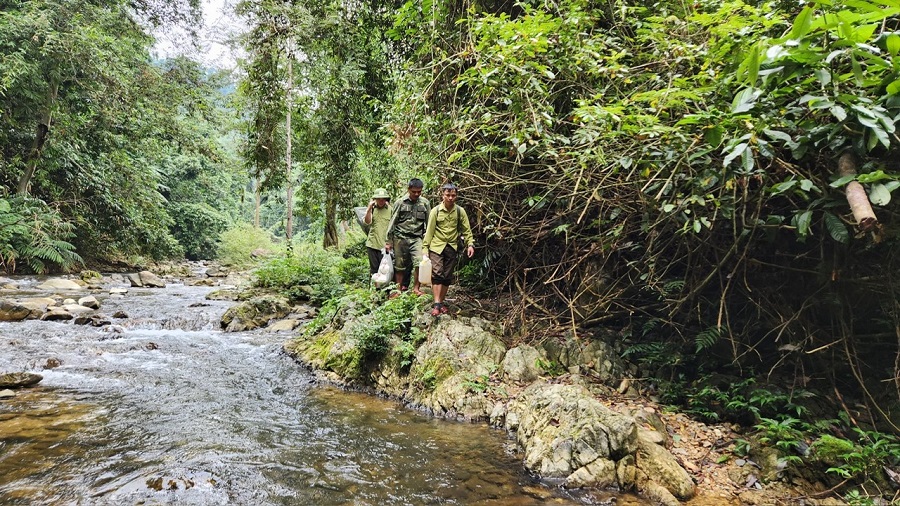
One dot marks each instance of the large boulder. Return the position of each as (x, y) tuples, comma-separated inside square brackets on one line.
[(60, 284), (522, 364), (37, 305), (148, 279), (19, 379), (658, 471), (564, 431), (255, 313), (583, 356), (13, 311), (451, 370)]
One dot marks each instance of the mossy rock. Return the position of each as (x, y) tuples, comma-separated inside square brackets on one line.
[(255, 313)]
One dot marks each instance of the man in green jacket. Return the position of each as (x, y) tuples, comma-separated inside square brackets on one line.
[(447, 222), (405, 231), (378, 216)]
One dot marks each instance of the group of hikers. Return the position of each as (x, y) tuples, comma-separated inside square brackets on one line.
[(413, 231)]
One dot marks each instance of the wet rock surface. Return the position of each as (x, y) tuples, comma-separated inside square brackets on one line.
[(19, 380)]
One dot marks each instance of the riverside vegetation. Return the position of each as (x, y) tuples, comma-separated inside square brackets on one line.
[(705, 187)]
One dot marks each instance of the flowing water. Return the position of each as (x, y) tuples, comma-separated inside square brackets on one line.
[(163, 408)]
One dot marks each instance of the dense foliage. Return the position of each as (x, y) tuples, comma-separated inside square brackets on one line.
[(113, 142)]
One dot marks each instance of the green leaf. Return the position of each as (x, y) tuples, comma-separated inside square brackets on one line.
[(802, 24), (893, 44), (736, 152), (879, 195), (747, 160), (783, 187), (839, 113), (894, 87), (836, 228), (857, 71), (744, 100), (872, 177), (713, 135), (802, 222), (842, 181), (778, 135)]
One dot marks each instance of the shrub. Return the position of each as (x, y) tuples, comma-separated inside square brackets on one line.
[(308, 273), (33, 233), (197, 228), (237, 244)]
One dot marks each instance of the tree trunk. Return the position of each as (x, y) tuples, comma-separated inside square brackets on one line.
[(331, 233), (856, 195), (289, 228), (258, 197), (40, 138)]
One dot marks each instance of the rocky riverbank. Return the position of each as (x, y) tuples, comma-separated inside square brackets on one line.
[(569, 404)]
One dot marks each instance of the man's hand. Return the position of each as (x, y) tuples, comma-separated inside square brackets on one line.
[(470, 251), (371, 203), (387, 247)]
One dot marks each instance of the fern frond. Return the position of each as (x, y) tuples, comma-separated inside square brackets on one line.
[(708, 338)]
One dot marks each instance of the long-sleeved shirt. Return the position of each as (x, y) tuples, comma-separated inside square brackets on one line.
[(445, 228)]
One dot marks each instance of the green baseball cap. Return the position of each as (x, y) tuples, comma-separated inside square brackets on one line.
[(380, 193)]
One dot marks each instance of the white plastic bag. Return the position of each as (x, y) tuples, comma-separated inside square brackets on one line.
[(425, 271), (385, 274)]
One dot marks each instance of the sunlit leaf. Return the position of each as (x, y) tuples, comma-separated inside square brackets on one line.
[(894, 87), (893, 44), (802, 24)]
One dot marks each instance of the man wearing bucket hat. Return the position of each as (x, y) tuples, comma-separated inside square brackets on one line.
[(378, 216)]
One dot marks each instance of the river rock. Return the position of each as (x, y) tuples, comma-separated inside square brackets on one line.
[(656, 466), (135, 279), (60, 284), (563, 428), (216, 271), (76, 309), (56, 314), (19, 379), (67, 302), (455, 357), (89, 301), (223, 294), (118, 291), (148, 279), (201, 282), (37, 305), (284, 325), (580, 356), (13, 311), (521, 364), (7, 394), (255, 313)]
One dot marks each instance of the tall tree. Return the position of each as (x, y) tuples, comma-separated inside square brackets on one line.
[(342, 69)]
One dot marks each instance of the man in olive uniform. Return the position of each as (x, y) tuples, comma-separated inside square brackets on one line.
[(378, 216), (405, 232), (447, 223)]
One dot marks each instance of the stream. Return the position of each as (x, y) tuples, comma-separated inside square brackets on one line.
[(163, 408)]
